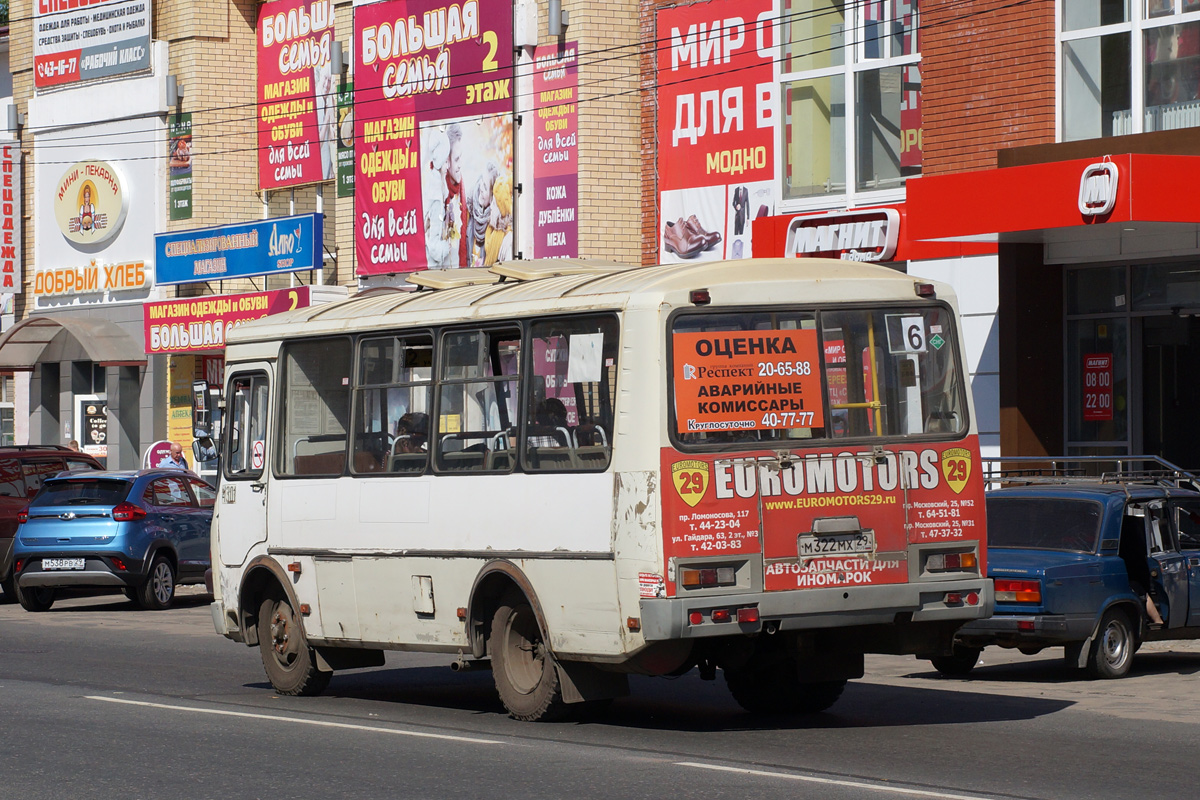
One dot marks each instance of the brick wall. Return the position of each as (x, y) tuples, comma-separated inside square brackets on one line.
[(987, 70), (610, 137)]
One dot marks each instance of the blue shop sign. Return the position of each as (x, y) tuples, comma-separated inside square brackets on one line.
[(245, 250)]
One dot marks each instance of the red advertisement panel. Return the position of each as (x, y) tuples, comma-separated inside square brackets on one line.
[(431, 192), (747, 381), (197, 324), (716, 115), (297, 103), (831, 517), (556, 156), (1098, 387)]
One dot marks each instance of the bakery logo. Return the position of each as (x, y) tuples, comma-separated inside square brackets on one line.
[(869, 235), (89, 203), (691, 480)]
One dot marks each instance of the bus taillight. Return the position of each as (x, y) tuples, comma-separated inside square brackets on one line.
[(1009, 591), (704, 578)]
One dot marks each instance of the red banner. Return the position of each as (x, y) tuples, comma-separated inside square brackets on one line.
[(430, 195), (197, 324), (556, 155), (829, 517), (716, 115), (297, 103)]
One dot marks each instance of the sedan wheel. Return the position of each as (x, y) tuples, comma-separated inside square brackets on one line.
[(1112, 650)]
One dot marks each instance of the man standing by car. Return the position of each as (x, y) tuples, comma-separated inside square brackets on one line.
[(174, 459)]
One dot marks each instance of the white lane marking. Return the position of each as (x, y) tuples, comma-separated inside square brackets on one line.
[(294, 720), (836, 782)]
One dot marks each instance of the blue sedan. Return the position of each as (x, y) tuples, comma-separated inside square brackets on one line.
[(1096, 568), (144, 531)]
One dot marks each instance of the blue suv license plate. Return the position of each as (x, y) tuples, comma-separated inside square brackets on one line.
[(62, 563)]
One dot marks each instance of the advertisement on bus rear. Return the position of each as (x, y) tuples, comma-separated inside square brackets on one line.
[(823, 517), (753, 380)]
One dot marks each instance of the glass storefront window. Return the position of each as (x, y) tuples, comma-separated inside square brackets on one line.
[(815, 137), (814, 35), (862, 56), (1096, 87), (1098, 381), (1167, 287), (1096, 290), (888, 116), (1080, 14), (1172, 76)]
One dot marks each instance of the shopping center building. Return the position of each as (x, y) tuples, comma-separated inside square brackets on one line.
[(241, 157)]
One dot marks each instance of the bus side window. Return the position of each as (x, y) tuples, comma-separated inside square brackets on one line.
[(477, 400), (315, 389), (391, 405), (570, 392)]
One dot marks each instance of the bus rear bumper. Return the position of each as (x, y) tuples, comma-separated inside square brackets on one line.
[(665, 619)]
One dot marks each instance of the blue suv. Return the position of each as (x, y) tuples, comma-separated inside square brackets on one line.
[(143, 531)]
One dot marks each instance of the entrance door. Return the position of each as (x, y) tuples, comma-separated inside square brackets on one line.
[(241, 505), (1170, 385)]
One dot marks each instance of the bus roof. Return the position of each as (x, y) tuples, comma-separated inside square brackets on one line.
[(578, 288)]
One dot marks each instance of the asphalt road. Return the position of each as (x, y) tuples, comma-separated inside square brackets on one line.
[(100, 700)]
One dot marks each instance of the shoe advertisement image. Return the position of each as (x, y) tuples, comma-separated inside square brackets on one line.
[(710, 222)]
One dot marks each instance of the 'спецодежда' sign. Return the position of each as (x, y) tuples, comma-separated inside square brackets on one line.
[(283, 244), (747, 380), (196, 324), (78, 40)]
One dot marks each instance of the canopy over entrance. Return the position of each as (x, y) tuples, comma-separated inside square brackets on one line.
[(45, 339)]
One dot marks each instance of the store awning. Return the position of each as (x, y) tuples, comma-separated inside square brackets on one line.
[(36, 340), (1134, 205)]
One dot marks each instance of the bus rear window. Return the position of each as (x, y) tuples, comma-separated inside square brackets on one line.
[(759, 377)]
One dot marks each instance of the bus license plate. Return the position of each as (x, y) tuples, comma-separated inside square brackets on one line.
[(62, 563), (840, 544)]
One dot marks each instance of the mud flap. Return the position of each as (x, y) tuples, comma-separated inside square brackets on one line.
[(1076, 653), (583, 682)]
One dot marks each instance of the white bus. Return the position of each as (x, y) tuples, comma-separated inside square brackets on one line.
[(570, 473)]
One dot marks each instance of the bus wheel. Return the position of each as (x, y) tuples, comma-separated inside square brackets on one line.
[(290, 663), (770, 687), (522, 666), (961, 660)]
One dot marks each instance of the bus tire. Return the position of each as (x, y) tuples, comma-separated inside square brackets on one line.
[(291, 665), (961, 660), (770, 686), (522, 666)]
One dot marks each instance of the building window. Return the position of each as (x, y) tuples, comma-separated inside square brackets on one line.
[(858, 59), (1129, 66)]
